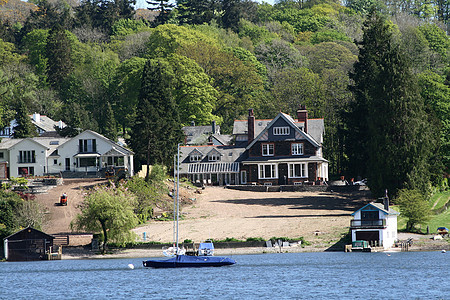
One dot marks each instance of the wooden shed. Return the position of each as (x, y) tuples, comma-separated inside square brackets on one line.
[(28, 244)]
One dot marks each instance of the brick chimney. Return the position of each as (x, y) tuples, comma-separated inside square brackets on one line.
[(386, 201), (302, 116), (251, 126)]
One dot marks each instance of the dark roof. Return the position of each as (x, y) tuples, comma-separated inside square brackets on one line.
[(316, 127), (29, 229)]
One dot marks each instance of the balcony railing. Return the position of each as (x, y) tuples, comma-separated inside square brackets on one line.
[(26, 160), (368, 223)]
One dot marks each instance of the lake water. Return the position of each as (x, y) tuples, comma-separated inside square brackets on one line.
[(405, 275)]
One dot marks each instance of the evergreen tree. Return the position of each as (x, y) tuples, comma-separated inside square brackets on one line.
[(389, 137), (58, 55), (109, 127), (231, 14), (164, 7), (157, 129), (24, 126), (194, 12)]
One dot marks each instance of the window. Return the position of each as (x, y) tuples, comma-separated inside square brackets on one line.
[(281, 130), (89, 145), (297, 170), (267, 149), (27, 157), (195, 157), (116, 161), (297, 149), (214, 157), (55, 161), (87, 162), (2, 155), (268, 171)]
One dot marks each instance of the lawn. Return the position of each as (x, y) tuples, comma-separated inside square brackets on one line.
[(437, 220)]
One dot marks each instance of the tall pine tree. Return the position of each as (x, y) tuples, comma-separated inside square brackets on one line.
[(24, 127), (165, 9), (157, 129), (389, 136), (58, 54)]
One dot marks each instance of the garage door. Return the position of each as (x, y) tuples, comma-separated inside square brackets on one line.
[(368, 236)]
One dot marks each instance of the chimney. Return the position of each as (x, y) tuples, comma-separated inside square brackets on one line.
[(192, 123), (213, 127), (386, 201), (60, 124), (36, 117), (251, 126), (302, 116)]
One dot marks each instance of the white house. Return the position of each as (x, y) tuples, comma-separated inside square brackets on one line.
[(87, 152), (375, 223), (42, 123)]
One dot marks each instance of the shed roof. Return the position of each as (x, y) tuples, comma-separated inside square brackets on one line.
[(378, 206), (29, 229)]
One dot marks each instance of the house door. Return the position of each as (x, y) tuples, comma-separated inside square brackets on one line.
[(68, 164), (282, 174), (370, 236)]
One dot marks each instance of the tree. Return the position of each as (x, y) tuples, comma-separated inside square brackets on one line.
[(165, 9), (109, 128), (157, 129), (231, 14), (24, 126), (58, 57), (389, 134), (414, 206), (108, 210), (196, 12)]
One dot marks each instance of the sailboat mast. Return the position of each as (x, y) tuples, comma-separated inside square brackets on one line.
[(174, 199), (178, 189)]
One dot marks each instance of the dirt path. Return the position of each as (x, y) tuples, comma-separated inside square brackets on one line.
[(59, 217), (219, 213)]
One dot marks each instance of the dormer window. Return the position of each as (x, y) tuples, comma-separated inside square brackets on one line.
[(297, 148), (267, 149), (195, 157), (214, 157), (281, 130)]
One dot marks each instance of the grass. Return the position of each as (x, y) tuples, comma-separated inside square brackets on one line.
[(437, 202)]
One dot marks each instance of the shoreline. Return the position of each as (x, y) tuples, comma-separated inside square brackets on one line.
[(77, 253)]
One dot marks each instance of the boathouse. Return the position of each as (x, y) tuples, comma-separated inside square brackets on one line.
[(27, 244), (375, 223)]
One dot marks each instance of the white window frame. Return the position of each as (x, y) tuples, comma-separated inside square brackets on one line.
[(285, 130), (266, 149), (303, 170), (297, 148), (214, 157), (195, 157), (273, 171)]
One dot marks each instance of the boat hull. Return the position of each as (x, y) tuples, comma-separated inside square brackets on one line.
[(185, 261)]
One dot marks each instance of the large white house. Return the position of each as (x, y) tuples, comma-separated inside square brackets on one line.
[(86, 152), (375, 223)]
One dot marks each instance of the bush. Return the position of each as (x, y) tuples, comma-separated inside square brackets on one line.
[(414, 206)]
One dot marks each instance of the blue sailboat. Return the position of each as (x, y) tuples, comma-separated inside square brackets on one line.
[(186, 261)]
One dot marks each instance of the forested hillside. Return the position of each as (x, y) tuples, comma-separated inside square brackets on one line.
[(377, 71)]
